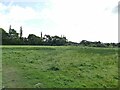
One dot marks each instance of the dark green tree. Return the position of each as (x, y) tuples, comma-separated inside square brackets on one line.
[(4, 36), (48, 40), (34, 40), (21, 32)]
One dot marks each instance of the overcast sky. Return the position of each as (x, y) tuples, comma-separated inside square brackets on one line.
[(92, 20)]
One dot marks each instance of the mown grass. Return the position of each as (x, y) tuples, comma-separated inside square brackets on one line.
[(59, 67)]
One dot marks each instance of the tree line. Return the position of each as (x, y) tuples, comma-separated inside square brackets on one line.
[(14, 38)]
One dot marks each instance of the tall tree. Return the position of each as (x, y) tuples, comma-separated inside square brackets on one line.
[(41, 35), (10, 29), (21, 32)]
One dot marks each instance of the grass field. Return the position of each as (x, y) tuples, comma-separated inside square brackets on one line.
[(59, 67)]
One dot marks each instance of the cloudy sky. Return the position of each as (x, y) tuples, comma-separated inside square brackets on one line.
[(93, 20)]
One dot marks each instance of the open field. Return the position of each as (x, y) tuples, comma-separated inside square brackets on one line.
[(59, 66)]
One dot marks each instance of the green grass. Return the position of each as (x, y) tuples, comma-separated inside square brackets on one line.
[(59, 67)]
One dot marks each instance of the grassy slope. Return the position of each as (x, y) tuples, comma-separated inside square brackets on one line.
[(61, 67)]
